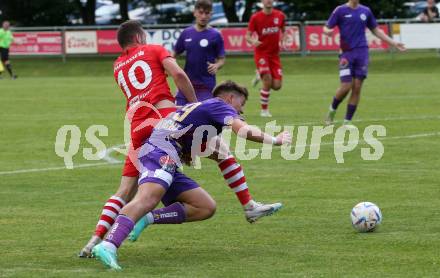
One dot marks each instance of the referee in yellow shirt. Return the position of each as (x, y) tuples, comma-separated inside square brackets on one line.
[(6, 39)]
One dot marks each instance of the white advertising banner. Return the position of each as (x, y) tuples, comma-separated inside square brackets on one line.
[(81, 42), (419, 35), (165, 37)]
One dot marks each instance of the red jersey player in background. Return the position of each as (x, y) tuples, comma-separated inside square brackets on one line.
[(268, 24), (140, 73)]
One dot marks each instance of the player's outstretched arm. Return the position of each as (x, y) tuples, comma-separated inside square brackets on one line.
[(244, 130), (180, 78), (381, 35)]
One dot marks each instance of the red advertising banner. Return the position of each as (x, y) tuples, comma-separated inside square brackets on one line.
[(317, 41), (235, 41), (30, 43), (107, 42)]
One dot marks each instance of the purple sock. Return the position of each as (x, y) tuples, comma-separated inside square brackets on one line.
[(120, 230), (172, 214), (336, 103), (351, 108)]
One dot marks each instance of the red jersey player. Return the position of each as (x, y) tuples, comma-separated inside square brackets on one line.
[(268, 24), (140, 73)]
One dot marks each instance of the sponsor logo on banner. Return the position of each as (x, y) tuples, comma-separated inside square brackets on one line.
[(107, 42), (81, 42), (165, 37), (234, 39), (36, 43), (317, 41)]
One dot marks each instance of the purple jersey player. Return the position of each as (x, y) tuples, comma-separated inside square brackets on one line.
[(353, 19), (205, 53), (160, 178)]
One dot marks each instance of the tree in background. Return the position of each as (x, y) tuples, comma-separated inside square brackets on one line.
[(87, 11), (229, 8), (248, 10), (123, 8), (36, 13)]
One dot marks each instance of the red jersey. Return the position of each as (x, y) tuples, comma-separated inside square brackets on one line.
[(268, 28), (141, 76)]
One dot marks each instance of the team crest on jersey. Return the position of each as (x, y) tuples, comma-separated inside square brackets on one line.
[(276, 20), (167, 163), (262, 61), (343, 63), (363, 17), (204, 43)]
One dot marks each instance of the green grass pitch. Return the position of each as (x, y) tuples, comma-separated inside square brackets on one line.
[(46, 216)]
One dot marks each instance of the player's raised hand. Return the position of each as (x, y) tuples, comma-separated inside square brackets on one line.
[(212, 68), (283, 138)]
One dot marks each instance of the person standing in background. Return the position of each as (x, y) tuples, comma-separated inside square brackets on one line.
[(430, 12), (6, 38)]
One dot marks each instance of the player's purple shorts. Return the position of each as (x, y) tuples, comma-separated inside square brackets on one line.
[(353, 64), (158, 167), (201, 96)]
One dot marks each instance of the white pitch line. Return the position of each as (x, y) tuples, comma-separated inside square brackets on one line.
[(428, 117), (85, 165), (115, 161), (110, 150)]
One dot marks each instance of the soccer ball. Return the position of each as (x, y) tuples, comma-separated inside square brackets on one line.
[(365, 217)]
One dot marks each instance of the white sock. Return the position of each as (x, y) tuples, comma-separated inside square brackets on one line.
[(110, 246)]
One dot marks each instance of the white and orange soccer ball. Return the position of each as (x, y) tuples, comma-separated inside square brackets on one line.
[(365, 217)]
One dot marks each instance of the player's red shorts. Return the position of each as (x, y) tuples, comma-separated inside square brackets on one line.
[(138, 137), (269, 64)]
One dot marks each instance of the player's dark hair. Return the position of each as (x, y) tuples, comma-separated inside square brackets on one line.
[(230, 87), (127, 31), (205, 5)]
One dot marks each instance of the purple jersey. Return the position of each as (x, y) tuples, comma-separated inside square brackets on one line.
[(201, 47), (199, 121), (352, 24)]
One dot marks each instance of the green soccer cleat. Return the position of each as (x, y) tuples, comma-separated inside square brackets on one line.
[(108, 257), (330, 119), (138, 228)]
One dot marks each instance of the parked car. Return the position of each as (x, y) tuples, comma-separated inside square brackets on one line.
[(414, 9)]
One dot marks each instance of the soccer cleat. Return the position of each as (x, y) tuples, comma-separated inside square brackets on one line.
[(265, 114), (108, 257), (256, 79), (138, 228), (258, 210), (330, 119), (86, 252)]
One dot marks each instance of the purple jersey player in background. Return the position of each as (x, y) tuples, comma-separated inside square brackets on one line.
[(352, 19), (205, 53), (160, 179)]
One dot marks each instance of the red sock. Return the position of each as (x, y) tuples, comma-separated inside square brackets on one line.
[(264, 99), (234, 176), (108, 215)]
